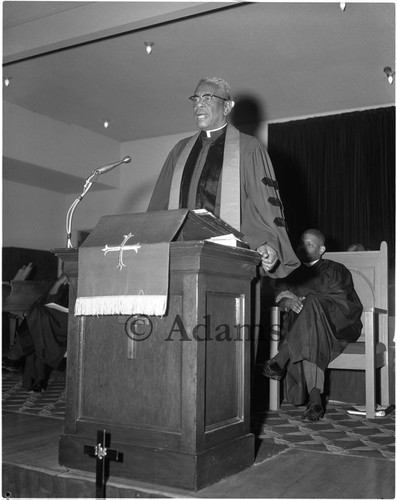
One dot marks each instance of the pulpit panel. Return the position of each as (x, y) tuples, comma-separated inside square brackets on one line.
[(224, 355), (132, 377)]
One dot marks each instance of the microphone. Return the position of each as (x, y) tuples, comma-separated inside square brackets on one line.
[(106, 168), (88, 183)]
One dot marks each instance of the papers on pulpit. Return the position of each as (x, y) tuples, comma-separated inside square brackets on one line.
[(229, 237), (52, 305), (229, 240)]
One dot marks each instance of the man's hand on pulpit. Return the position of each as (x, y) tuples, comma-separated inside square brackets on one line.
[(269, 257)]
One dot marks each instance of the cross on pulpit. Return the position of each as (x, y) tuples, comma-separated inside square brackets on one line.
[(121, 248), (103, 455)]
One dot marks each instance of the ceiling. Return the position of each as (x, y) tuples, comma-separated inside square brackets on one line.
[(282, 60)]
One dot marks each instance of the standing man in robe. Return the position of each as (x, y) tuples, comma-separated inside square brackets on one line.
[(323, 317), (229, 174)]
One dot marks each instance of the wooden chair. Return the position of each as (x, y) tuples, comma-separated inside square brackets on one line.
[(370, 352)]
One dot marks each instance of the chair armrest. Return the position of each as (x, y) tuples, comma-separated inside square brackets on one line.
[(374, 310), (278, 308)]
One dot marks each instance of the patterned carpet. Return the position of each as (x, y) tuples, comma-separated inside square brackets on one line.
[(50, 403), (337, 433)]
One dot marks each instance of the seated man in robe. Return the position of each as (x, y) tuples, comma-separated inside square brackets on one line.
[(41, 337), (323, 317)]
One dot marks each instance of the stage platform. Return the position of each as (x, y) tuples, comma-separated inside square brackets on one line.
[(298, 467), (345, 456)]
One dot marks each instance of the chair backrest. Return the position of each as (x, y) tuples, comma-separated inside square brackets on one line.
[(369, 272)]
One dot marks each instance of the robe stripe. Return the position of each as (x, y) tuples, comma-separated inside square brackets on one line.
[(174, 199), (230, 182)]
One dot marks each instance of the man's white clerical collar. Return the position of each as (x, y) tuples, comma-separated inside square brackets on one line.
[(209, 132), (310, 264)]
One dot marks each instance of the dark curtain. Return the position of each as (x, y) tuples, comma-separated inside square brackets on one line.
[(337, 173)]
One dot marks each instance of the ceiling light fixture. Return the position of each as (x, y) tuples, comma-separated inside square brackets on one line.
[(149, 47), (342, 6), (7, 81), (389, 73)]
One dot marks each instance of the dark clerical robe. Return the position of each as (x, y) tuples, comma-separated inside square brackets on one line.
[(329, 320), (230, 175), (43, 336)]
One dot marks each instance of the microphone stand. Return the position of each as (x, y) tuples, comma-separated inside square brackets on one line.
[(88, 183)]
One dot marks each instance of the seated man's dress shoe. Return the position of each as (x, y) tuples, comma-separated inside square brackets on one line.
[(313, 412), (272, 369), (39, 385)]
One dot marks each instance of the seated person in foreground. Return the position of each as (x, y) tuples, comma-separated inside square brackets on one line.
[(41, 337), (323, 317)]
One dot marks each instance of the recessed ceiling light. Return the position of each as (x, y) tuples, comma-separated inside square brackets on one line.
[(149, 47), (389, 73)]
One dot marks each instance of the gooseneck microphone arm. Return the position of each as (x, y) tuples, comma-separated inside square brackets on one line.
[(88, 183)]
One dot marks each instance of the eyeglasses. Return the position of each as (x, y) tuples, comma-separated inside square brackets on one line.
[(205, 98)]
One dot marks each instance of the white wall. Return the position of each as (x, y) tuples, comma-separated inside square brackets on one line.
[(32, 217), (35, 218), (38, 140)]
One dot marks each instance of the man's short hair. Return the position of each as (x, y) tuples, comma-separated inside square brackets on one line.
[(317, 233), (356, 247), (222, 84)]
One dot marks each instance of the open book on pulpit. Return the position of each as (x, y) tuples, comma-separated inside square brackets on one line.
[(203, 225), (124, 262)]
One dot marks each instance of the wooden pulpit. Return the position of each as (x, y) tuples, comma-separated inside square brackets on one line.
[(173, 392)]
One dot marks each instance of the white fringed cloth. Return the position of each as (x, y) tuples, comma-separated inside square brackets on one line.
[(124, 264)]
